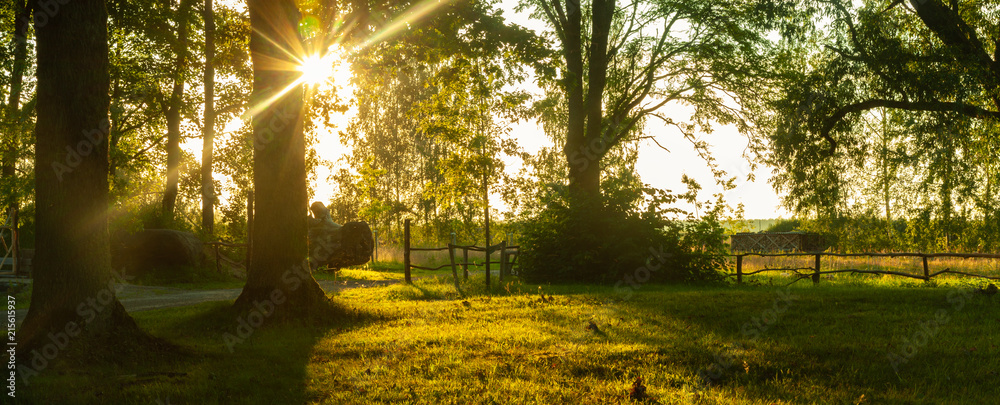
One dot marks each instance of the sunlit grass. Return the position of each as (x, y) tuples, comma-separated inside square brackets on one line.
[(426, 343)]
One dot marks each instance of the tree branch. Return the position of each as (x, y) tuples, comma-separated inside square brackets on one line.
[(939, 106)]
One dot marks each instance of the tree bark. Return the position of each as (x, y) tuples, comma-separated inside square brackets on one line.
[(73, 286), (279, 271), (585, 146), (207, 184), (173, 112), (575, 150)]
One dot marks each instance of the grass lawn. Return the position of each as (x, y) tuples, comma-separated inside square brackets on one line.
[(845, 341)]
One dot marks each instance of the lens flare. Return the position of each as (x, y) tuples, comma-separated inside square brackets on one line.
[(315, 69)]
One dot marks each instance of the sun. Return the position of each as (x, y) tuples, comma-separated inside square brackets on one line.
[(315, 69)]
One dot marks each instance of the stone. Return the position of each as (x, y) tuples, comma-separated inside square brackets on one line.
[(157, 249), (334, 245)]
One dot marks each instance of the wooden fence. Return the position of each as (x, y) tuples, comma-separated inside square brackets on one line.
[(777, 242), (12, 253), (218, 257), (508, 257), (816, 271)]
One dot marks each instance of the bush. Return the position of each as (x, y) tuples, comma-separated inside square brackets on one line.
[(784, 225), (608, 242)]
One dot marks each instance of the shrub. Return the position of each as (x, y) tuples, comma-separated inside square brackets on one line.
[(607, 241)]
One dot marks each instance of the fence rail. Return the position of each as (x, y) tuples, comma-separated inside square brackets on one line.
[(508, 257), (218, 257), (816, 270)]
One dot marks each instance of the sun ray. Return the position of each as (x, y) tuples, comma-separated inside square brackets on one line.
[(257, 109), (411, 15), (290, 54), (317, 67)]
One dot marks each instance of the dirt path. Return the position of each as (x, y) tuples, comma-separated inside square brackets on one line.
[(144, 298)]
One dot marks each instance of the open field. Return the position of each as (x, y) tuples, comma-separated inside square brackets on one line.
[(838, 342)]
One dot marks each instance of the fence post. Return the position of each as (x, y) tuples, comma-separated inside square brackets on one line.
[(816, 274), (739, 269), (487, 249), (454, 269), (375, 251), (927, 273), (406, 251), (465, 262), (15, 243), (503, 259)]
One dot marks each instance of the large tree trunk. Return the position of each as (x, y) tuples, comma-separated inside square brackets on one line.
[(575, 147), (585, 146), (173, 111), (207, 184), (278, 264), (73, 292)]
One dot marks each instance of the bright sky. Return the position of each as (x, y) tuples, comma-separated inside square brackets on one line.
[(656, 167)]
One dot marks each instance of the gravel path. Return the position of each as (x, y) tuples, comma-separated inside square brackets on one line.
[(144, 298)]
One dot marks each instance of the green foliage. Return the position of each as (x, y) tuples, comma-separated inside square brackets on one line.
[(922, 233), (784, 225), (434, 108), (607, 242), (889, 113)]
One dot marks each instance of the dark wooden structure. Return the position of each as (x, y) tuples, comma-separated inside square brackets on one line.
[(508, 257), (815, 271), (777, 242)]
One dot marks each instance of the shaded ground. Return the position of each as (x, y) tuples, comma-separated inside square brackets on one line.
[(143, 298)]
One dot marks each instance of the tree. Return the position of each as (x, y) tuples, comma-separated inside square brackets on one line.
[(172, 108), (924, 64), (73, 289), (12, 120), (278, 264), (950, 70), (208, 132), (621, 64), (432, 109)]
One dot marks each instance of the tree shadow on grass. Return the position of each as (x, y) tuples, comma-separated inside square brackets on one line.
[(823, 345), (221, 357)]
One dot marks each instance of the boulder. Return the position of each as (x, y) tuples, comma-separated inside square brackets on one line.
[(356, 246), (335, 245), (157, 249)]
